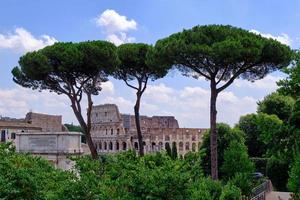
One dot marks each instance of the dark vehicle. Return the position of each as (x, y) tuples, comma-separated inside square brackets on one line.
[(257, 175)]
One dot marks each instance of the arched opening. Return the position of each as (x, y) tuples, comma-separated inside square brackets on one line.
[(3, 137), (180, 146), (167, 144), (13, 136), (100, 145), (136, 145), (110, 146), (124, 145), (160, 145), (153, 146), (194, 147), (174, 144), (105, 146), (117, 146), (187, 146)]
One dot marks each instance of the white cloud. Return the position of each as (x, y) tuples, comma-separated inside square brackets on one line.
[(283, 38), (23, 41), (16, 102), (120, 38), (116, 26), (114, 22), (190, 105), (159, 93), (267, 84)]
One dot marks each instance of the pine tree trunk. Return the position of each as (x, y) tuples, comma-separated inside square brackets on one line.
[(213, 133), (85, 129), (137, 123)]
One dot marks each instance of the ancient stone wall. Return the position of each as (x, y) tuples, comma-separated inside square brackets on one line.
[(48, 123), (112, 132)]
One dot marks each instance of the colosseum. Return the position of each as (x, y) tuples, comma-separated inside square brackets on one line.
[(113, 132)]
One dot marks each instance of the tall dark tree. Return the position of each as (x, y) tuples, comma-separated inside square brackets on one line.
[(168, 150), (221, 54), (71, 69), (174, 151), (135, 69)]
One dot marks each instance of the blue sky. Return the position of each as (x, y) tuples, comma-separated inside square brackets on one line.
[(24, 24)]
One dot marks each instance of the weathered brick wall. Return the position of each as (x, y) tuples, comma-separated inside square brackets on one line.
[(48, 123)]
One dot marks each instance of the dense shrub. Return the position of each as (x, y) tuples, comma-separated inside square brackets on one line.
[(294, 179), (231, 192), (119, 176)]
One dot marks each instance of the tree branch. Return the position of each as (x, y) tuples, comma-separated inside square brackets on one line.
[(130, 85), (239, 72)]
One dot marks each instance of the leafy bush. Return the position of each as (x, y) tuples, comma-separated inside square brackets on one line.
[(294, 180), (231, 192), (236, 160)]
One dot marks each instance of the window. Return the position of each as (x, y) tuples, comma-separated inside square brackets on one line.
[(193, 137), (167, 138), (118, 131), (180, 146), (105, 145), (153, 146), (117, 145), (3, 138), (110, 146), (124, 146), (174, 144), (166, 145), (187, 146), (105, 131), (136, 145), (111, 131), (100, 145), (105, 114), (160, 145), (194, 146), (13, 136)]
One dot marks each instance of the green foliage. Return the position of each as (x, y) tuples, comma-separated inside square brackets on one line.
[(119, 176), (277, 171), (174, 151), (276, 104), (220, 54), (134, 63), (24, 177), (236, 160), (294, 176), (243, 181), (201, 48), (262, 131), (168, 150), (225, 136), (73, 128), (55, 67), (295, 116), (291, 85), (205, 189), (231, 192)]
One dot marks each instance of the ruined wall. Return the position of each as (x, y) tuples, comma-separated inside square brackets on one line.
[(48, 123), (113, 132)]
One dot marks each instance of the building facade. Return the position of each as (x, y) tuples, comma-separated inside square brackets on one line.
[(113, 132), (33, 122), (42, 135), (53, 146)]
